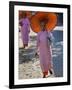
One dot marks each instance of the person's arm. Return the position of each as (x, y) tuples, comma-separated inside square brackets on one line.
[(28, 25), (29, 28), (50, 38)]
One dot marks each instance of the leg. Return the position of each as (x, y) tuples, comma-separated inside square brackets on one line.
[(44, 74), (50, 71), (24, 45)]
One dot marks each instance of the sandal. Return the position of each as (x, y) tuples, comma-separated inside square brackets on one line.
[(50, 71)]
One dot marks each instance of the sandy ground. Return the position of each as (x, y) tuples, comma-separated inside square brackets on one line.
[(30, 68), (29, 65)]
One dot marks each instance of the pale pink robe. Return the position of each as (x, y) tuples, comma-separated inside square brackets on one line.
[(25, 29), (44, 50)]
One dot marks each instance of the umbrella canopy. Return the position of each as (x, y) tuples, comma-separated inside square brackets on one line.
[(49, 18)]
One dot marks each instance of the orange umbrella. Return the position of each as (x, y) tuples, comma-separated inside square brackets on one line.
[(50, 18)]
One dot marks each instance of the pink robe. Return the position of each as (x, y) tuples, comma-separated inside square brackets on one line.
[(25, 29), (44, 50)]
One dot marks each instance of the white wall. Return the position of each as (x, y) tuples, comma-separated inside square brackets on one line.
[(4, 43)]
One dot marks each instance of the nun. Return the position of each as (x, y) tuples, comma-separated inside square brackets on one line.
[(25, 29), (44, 39)]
